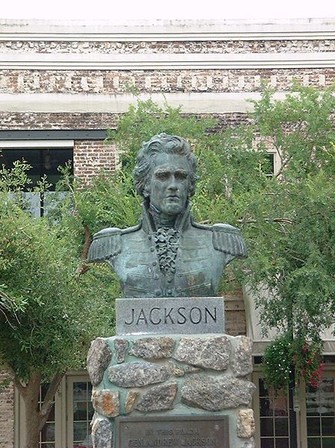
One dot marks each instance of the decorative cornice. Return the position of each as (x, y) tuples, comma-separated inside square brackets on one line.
[(167, 30), (152, 61)]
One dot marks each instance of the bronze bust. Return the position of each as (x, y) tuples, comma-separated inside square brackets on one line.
[(167, 254)]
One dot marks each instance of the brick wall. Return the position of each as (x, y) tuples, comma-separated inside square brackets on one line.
[(6, 412), (93, 157)]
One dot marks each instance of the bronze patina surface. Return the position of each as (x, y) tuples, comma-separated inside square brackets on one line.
[(167, 254)]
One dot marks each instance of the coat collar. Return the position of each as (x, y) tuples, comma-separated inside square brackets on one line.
[(183, 220)]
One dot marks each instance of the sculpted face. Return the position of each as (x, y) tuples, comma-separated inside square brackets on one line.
[(169, 184)]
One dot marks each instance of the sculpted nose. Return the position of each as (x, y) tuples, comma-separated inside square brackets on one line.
[(173, 183)]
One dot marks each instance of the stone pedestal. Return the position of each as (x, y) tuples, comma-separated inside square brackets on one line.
[(141, 376)]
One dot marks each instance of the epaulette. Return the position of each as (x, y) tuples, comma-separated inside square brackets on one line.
[(228, 239), (131, 229), (105, 244)]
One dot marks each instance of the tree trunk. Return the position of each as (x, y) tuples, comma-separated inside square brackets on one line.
[(36, 414), (30, 394), (32, 427)]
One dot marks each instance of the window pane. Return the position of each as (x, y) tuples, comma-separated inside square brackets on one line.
[(314, 443), (313, 426), (328, 443), (79, 431), (281, 426), (262, 389), (328, 426), (80, 410), (80, 391), (282, 443), (48, 433), (42, 161), (265, 407), (267, 426), (267, 443)]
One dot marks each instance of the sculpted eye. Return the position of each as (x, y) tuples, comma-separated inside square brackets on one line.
[(181, 175), (162, 175)]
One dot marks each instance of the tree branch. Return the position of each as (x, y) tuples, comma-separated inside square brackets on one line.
[(48, 400), (82, 268), (252, 221)]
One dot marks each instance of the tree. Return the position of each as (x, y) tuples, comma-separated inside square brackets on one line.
[(49, 315), (291, 229)]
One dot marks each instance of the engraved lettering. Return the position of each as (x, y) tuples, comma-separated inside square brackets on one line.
[(168, 315), (213, 316), (146, 317), (133, 317), (143, 317), (183, 317), (195, 315), (154, 322)]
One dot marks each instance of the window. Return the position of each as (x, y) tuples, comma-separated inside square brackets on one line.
[(43, 162), (80, 412), (273, 418), (44, 157), (320, 413)]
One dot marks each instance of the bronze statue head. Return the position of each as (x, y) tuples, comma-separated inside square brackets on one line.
[(162, 144)]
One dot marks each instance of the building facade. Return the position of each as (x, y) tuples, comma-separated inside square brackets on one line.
[(63, 84)]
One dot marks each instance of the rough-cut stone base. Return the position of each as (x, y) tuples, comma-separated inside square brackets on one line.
[(172, 375)]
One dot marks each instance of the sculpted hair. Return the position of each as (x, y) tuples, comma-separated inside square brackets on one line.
[(162, 143)]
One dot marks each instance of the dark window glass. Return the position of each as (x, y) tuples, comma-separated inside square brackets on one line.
[(42, 162), (267, 443), (282, 443)]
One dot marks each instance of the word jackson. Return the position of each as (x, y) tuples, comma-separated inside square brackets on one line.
[(171, 316)]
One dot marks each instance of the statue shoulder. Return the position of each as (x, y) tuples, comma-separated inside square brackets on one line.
[(228, 239), (107, 243), (225, 238)]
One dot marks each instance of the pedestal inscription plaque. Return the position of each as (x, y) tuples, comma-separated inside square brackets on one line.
[(173, 432), (187, 315)]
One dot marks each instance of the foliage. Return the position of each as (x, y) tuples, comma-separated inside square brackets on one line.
[(49, 315), (284, 356), (292, 236), (38, 275)]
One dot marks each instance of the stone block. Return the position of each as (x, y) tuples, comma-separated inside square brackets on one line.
[(212, 352), (153, 348), (102, 433), (137, 374), (242, 359), (216, 393), (106, 402), (158, 398), (121, 347), (245, 423), (98, 358)]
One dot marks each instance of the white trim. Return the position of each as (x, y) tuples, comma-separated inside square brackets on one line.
[(200, 103), (167, 30), (36, 144), (166, 61)]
